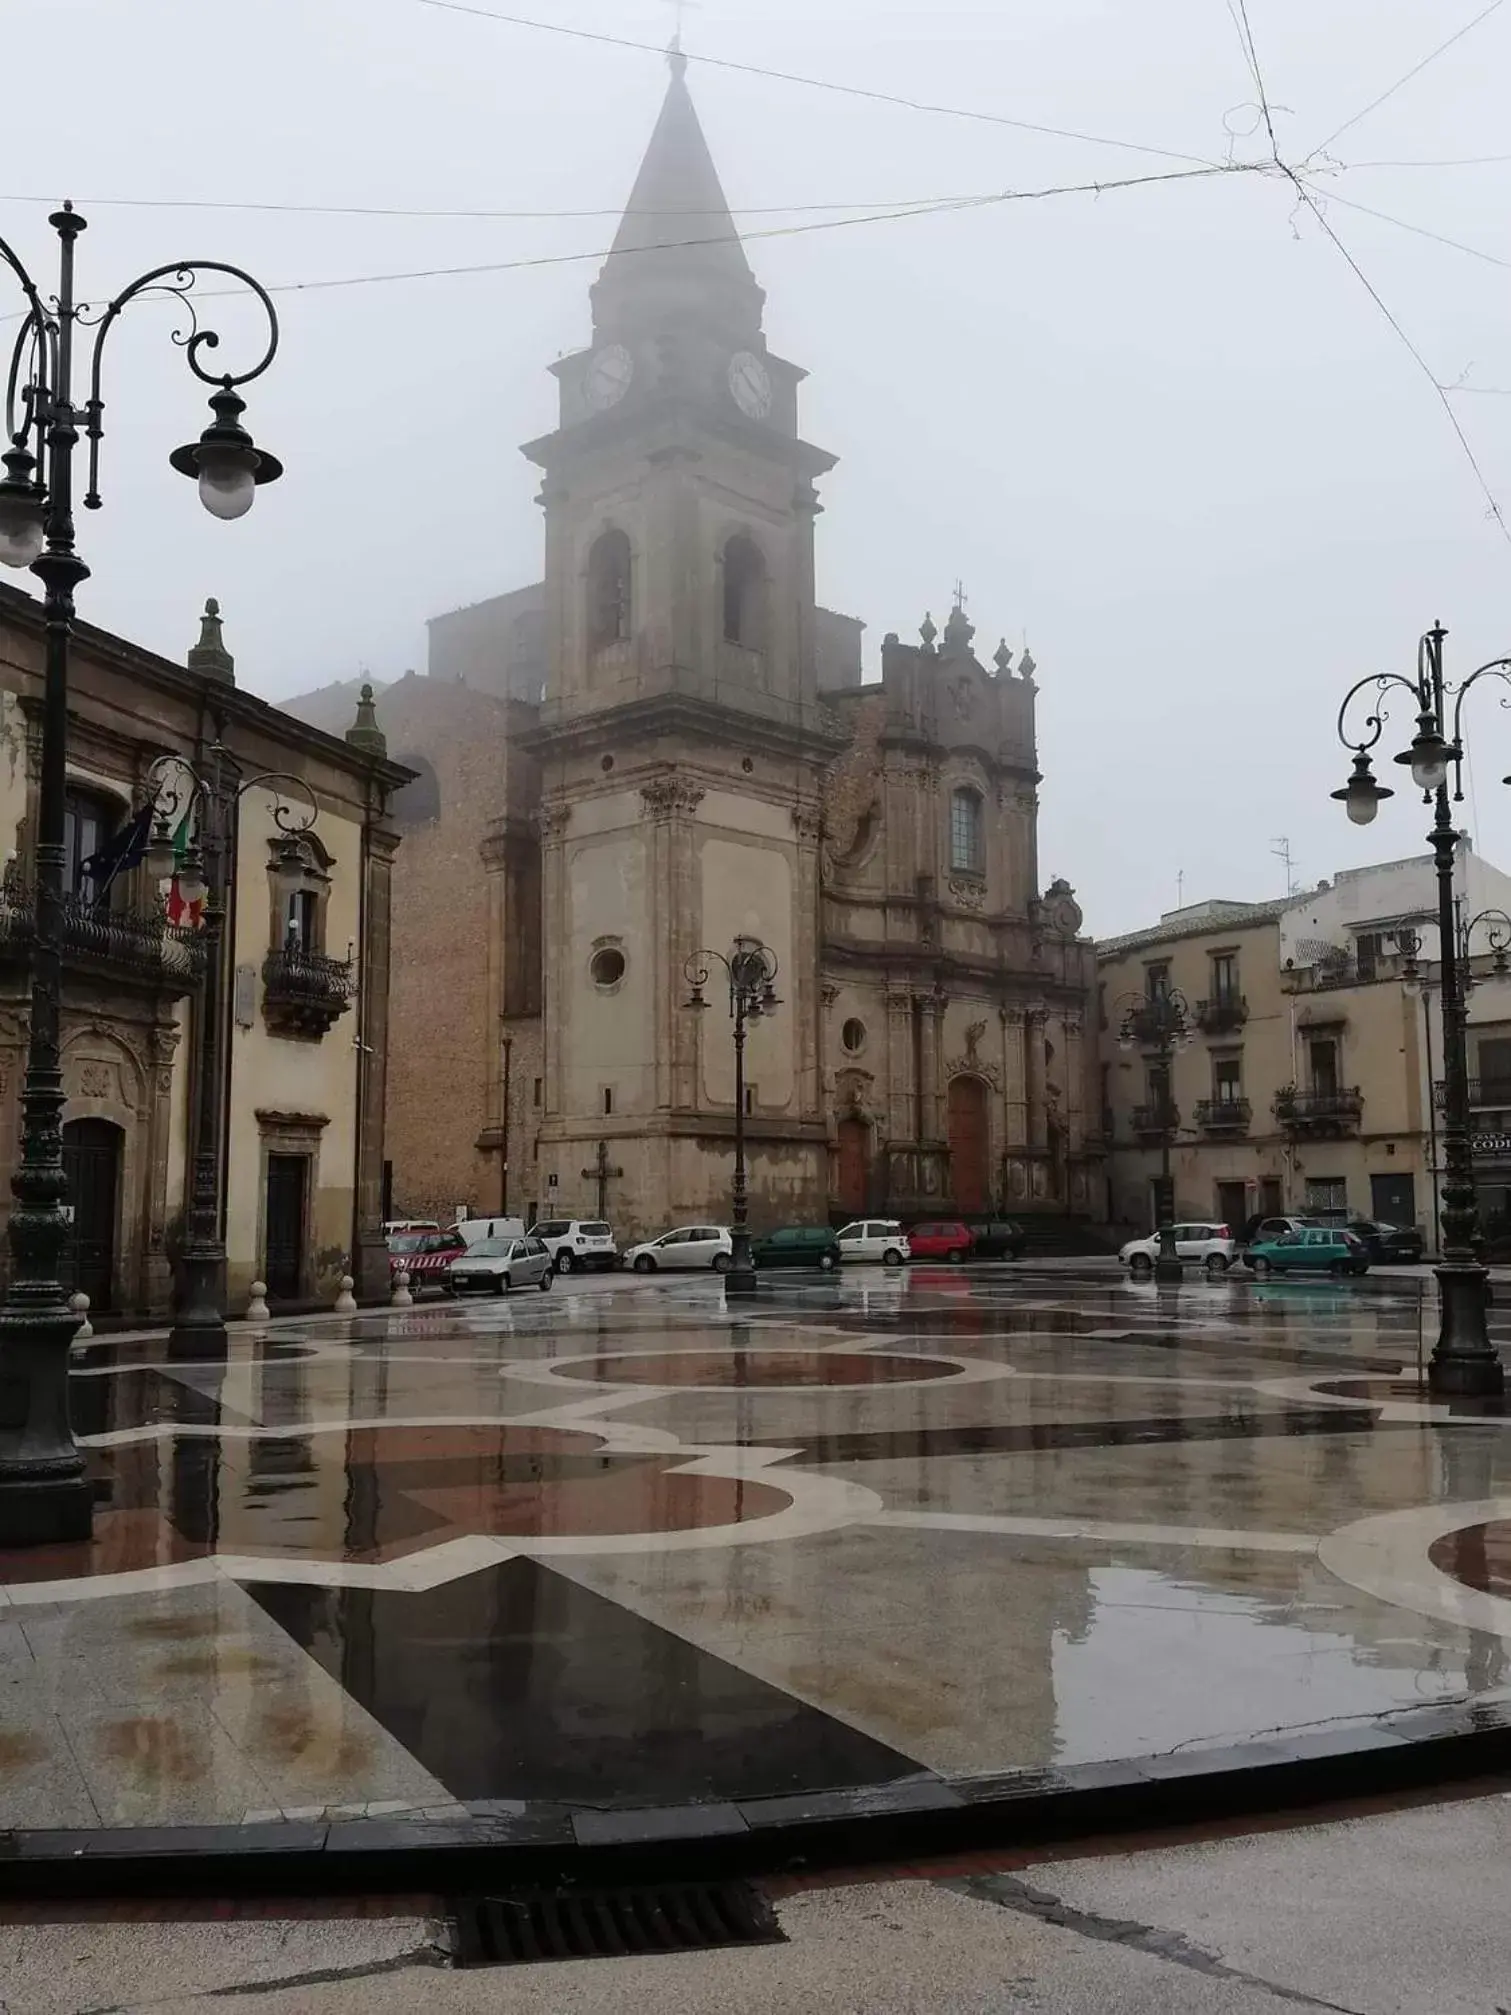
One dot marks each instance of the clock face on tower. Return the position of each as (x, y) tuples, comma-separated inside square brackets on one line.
[(750, 384), (607, 377)]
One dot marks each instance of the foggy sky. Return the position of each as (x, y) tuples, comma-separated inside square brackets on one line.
[(1164, 433)]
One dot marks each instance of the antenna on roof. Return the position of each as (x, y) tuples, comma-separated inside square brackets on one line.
[(1180, 888), (1281, 849)]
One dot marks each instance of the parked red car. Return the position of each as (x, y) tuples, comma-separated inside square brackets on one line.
[(949, 1241)]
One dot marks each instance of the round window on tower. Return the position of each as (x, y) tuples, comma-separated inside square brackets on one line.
[(853, 1036), (606, 968)]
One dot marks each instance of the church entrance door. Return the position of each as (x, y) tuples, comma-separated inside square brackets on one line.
[(969, 1144), (854, 1166)]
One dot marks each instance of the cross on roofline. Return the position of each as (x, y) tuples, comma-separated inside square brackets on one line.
[(679, 9), (960, 596)]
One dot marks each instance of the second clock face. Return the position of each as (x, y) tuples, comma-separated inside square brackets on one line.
[(607, 377), (750, 384)]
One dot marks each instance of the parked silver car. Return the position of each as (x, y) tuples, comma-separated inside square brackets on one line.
[(690, 1245), (494, 1265)]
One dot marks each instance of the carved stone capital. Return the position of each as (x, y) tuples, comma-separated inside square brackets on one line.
[(829, 993), (550, 822), (808, 823), (670, 797)]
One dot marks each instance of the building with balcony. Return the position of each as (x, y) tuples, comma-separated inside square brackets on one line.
[(305, 976), (1313, 1044)]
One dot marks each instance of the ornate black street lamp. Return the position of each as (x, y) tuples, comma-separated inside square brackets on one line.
[(205, 871), (44, 1495), (1464, 1360), (1159, 1021), (751, 969)]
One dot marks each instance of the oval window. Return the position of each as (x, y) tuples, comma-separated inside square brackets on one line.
[(853, 1035), (607, 966)]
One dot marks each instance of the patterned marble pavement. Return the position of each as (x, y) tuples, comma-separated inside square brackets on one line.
[(617, 1547)]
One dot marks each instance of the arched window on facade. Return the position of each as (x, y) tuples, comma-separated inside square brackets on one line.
[(744, 593), (967, 837), (609, 610)]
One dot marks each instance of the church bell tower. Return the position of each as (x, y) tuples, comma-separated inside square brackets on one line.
[(681, 740)]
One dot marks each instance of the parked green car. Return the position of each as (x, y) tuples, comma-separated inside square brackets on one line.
[(1313, 1249), (797, 1245)]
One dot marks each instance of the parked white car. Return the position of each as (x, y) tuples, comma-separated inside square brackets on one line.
[(690, 1245), (878, 1240), (1210, 1245), (577, 1241), (494, 1265), (473, 1228)]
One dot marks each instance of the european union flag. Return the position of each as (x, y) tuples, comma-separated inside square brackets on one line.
[(119, 855)]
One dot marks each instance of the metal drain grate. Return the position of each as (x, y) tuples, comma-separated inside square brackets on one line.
[(545, 1924)]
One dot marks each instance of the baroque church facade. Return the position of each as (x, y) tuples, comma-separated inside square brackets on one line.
[(668, 744)]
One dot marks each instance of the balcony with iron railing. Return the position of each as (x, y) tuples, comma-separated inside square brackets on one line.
[(303, 992), (127, 947), (1153, 1122), (1486, 1094), (1325, 1114), (1223, 1115), (1222, 1014)]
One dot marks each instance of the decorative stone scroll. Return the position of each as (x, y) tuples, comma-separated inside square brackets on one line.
[(670, 797)]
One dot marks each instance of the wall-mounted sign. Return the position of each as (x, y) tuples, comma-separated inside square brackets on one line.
[(1490, 1143)]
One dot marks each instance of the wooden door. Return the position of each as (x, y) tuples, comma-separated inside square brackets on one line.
[(854, 1165), (969, 1145), (283, 1260), (92, 1169)]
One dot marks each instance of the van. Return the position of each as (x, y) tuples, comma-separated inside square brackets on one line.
[(474, 1228)]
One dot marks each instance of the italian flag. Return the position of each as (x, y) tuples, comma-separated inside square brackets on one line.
[(180, 911)]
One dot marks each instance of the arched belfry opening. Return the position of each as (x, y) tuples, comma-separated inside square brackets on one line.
[(610, 590), (744, 593)]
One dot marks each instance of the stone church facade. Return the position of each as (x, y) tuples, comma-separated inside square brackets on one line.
[(669, 743)]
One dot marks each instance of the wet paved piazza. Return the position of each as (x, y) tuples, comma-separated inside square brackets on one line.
[(618, 1547)]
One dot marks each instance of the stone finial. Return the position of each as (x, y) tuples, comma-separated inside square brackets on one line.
[(364, 732), (209, 657), (78, 1304), (1027, 667), (345, 1302), (958, 632), (928, 630), (401, 1296), (1003, 659), (257, 1301)]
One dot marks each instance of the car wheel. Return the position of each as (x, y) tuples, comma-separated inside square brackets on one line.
[(1141, 1266), (544, 1282), (891, 1257), (503, 1284), (956, 1257), (721, 1262), (1217, 1266), (826, 1262), (1261, 1267), (564, 1262), (644, 1263)]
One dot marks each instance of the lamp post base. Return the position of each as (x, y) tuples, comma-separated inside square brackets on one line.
[(199, 1323), (1168, 1269), (740, 1281), (45, 1497), (1465, 1362)]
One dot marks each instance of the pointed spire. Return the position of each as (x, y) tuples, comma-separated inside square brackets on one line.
[(677, 235), (364, 732), (209, 657)]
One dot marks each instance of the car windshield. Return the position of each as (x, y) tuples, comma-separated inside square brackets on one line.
[(490, 1248), (408, 1241)]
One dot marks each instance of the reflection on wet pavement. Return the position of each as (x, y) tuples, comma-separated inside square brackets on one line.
[(622, 1546)]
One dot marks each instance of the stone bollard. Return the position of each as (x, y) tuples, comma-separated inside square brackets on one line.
[(346, 1303), (401, 1297), (257, 1307), (79, 1305)]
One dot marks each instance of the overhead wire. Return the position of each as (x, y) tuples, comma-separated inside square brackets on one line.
[(1415, 71), (517, 216), (1103, 186), (811, 83), (1331, 195), (1305, 195)]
